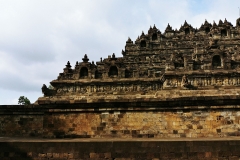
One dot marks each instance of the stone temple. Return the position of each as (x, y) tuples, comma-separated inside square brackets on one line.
[(172, 95), (188, 62)]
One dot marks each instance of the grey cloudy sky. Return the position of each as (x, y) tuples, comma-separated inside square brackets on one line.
[(38, 37)]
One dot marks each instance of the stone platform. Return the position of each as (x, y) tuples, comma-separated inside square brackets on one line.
[(189, 97), (196, 117), (120, 149)]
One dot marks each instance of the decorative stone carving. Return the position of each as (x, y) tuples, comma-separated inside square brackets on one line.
[(184, 58), (184, 82), (48, 92)]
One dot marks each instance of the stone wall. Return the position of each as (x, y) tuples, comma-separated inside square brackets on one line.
[(152, 124), (121, 120), (201, 149)]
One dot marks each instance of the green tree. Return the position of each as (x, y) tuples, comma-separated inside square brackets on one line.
[(23, 100)]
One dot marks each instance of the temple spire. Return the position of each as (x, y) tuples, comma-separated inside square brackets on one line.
[(154, 27), (220, 22), (85, 58), (68, 65)]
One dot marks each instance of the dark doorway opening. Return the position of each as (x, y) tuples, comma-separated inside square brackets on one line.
[(187, 31), (143, 44), (179, 62), (98, 74), (128, 74), (83, 72), (223, 33), (216, 61), (113, 72), (154, 37), (207, 30)]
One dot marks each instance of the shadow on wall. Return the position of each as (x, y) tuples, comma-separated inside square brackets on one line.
[(66, 126), (8, 151)]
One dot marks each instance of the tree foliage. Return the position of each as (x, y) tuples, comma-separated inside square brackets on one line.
[(23, 100)]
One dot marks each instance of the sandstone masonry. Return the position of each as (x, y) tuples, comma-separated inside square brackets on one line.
[(180, 83)]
